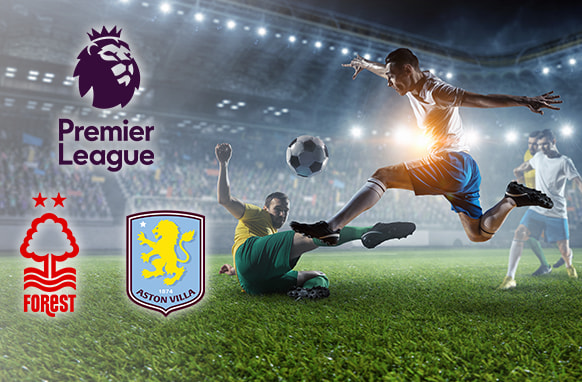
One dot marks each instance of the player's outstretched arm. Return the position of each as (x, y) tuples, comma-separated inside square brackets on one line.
[(535, 104), (223, 153), (359, 63), (520, 170)]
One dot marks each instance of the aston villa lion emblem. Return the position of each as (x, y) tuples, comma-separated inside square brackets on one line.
[(165, 259)]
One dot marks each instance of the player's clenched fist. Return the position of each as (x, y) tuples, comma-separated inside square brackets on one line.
[(223, 152)]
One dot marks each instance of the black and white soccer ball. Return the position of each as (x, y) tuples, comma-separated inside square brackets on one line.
[(307, 155)]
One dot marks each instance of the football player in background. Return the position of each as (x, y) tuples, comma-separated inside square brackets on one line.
[(553, 170)]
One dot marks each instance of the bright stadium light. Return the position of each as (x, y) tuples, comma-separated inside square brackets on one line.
[(199, 16), (449, 75), (567, 130), (292, 39), (511, 137), (367, 56), (262, 31), (345, 51), (546, 70), (165, 7), (572, 61), (230, 24), (472, 137), (356, 132), (318, 44), (422, 141), (402, 136)]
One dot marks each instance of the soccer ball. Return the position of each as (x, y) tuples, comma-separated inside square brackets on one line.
[(307, 155)]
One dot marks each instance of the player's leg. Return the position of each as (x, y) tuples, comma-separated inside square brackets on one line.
[(395, 176), (567, 255), (557, 231), (386, 177), (371, 236), (537, 249), (516, 195), (515, 251)]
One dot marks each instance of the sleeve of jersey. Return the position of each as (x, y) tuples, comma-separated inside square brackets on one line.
[(251, 212), (571, 171), (446, 95)]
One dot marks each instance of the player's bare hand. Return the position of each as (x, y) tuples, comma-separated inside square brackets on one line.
[(223, 152), (547, 100), (357, 63), (228, 269)]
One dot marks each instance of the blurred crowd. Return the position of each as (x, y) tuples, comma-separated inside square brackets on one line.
[(184, 176)]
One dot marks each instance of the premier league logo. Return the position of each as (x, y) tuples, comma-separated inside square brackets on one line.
[(107, 66), (165, 259)]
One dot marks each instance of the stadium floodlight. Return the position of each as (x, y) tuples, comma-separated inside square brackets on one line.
[(567, 130), (402, 135), (166, 7), (356, 132), (199, 16), (572, 61), (546, 70), (292, 38), (230, 24), (345, 51), (262, 31), (472, 137), (367, 56), (317, 44), (449, 75), (511, 137)]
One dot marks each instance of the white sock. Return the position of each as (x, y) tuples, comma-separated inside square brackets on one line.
[(514, 255), (364, 199)]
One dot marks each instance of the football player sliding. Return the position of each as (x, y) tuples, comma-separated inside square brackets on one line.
[(449, 169), (264, 258)]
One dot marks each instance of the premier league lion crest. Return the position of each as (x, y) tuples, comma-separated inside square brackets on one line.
[(106, 65), (165, 259)]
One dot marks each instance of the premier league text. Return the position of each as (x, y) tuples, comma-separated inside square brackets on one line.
[(114, 159)]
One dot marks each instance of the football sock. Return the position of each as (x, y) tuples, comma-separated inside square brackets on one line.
[(536, 247), (514, 256), (347, 233), (364, 199), (317, 281)]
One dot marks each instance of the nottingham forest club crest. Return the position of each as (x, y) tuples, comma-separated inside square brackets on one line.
[(165, 259)]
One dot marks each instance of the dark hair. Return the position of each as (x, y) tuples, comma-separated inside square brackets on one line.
[(401, 57), (275, 195), (547, 133), (535, 134)]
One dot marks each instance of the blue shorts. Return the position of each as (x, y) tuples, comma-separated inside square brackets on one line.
[(555, 229), (452, 174), (263, 265)]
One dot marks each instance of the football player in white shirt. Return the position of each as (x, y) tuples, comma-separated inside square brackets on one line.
[(553, 170), (449, 169)]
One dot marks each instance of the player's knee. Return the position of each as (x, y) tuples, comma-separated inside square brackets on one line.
[(387, 175), (521, 233), (479, 237)]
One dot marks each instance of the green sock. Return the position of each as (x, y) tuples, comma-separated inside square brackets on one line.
[(346, 234), (321, 281), (536, 247)]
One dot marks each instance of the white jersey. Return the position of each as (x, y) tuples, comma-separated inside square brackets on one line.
[(437, 112), (551, 177)]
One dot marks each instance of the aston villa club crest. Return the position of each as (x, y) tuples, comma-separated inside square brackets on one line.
[(165, 259)]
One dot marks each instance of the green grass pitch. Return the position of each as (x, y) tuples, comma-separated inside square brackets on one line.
[(393, 315)]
